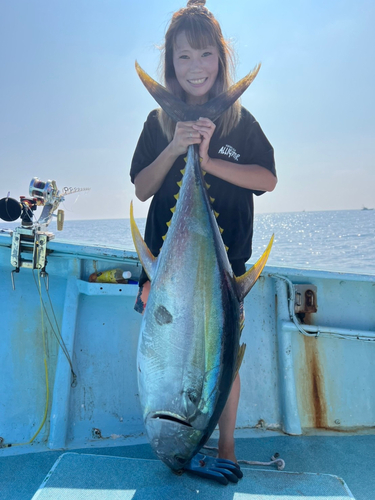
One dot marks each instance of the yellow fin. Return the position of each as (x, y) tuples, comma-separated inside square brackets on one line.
[(163, 237), (169, 223), (183, 171), (173, 209), (212, 199), (221, 230), (216, 214), (185, 159), (179, 184), (208, 186), (177, 196), (226, 248), (240, 355), (245, 282)]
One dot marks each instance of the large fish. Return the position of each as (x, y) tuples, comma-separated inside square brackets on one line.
[(189, 347)]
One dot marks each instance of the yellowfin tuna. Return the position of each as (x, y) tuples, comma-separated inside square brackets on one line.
[(189, 345)]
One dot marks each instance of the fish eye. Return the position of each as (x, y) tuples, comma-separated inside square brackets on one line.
[(192, 395)]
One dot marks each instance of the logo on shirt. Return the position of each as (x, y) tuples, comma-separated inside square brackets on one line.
[(229, 151)]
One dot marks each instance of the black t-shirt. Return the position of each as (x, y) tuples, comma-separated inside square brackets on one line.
[(245, 144)]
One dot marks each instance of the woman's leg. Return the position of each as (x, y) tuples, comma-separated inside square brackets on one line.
[(227, 423), (142, 297)]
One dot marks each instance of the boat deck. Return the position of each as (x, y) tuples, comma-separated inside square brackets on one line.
[(349, 456)]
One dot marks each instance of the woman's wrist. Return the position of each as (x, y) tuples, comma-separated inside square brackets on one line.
[(207, 164), (171, 153)]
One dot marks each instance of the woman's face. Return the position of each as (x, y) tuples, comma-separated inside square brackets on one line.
[(196, 69)]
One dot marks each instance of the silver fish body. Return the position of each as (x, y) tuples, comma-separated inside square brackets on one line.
[(190, 331)]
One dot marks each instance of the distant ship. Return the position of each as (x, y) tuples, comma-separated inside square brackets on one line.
[(365, 208)]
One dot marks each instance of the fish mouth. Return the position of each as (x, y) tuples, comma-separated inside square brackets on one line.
[(171, 417)]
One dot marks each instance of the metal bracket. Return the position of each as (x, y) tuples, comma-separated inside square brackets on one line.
[(26, 242), (306, 300)]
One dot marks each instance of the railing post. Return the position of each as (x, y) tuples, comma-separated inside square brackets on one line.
[(59, 419), (288, 398)]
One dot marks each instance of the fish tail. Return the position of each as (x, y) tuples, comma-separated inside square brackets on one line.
[(180, 111)]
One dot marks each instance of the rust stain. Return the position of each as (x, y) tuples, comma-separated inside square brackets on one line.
[(315, 393)]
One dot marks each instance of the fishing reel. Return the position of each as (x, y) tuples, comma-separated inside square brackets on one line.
[(31, 236), (41, 194), (11, 210)]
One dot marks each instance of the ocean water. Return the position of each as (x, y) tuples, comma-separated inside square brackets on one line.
[(342, 240)]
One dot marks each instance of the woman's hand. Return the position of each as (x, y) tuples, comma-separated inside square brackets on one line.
[(206, 128), (149, 180), (184, 136)]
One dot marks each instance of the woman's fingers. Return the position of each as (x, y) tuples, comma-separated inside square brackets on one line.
[(184, 136), (193, 130), (187, 133), (192, 134), (205, 127)]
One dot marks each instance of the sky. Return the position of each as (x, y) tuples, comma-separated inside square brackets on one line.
[(72, 106)]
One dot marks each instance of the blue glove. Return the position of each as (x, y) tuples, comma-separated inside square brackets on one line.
[(218, 469)]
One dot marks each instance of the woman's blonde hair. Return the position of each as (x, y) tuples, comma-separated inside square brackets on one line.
[(201, 30)]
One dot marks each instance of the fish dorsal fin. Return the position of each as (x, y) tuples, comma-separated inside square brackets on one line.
[(245, 282), (180, 111), (240, 355), (148, 261)]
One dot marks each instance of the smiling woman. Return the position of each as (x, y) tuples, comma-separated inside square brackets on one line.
[(234, 153), (196, 69), (196, 30)]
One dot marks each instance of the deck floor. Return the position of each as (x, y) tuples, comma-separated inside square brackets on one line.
[(350, 457)]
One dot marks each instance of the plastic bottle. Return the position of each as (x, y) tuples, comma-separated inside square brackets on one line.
[(111, 276)]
